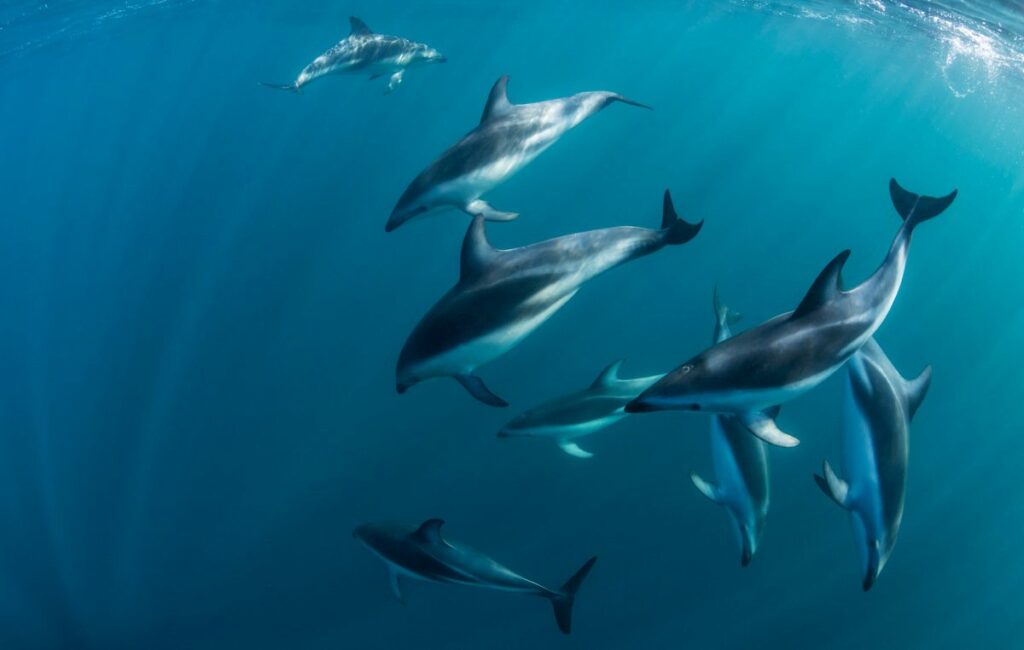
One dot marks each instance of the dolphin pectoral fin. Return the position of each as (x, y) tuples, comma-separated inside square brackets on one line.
[(394, 82), (708, 489), (476, 387), (480, 208), (396, 586), (763, 426), (834, 487), (574, 450)]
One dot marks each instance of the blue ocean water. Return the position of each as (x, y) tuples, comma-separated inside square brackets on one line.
[(201, 313)]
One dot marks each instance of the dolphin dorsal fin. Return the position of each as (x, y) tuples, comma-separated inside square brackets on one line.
[(477, 253), (827, 286), (359, 28), (497, 101), (430, 531), (609, 375), (914, 391), (724, 318)]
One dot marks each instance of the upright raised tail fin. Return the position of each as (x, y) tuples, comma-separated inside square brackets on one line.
[(563, 600), (676, 230), (289, 87), (915, 208)]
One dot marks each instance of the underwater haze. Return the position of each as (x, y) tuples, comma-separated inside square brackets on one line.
[(201, 312)]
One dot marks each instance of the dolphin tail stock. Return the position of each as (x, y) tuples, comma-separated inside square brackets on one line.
[(562, 600), (478, 389), (289, 87), (676, 230), (834, 487), (916, 208)]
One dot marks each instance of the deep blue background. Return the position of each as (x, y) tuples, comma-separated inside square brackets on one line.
[(200, 314)]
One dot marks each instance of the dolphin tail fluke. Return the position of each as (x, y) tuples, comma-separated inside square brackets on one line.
[(563, 600), (915, 208), (289, 87), (834, 487), (478, 389), (676, 230)]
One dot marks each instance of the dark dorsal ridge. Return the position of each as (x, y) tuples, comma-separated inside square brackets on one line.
[(359, 28), (430, 531), (827, 286), (477, 253), (497, 102)]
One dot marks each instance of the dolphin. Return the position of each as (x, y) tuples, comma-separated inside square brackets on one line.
[(504, 295), (421, 553), (570, 417), (794, 352), (740, 461), (363, 52), (508, 138), (878, 405)]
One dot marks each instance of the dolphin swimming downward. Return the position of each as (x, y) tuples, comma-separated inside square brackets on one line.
[(504, 295), (570, 417), (741, 464), (421, 553), (363, 52), (878, 405), (508, 138), (794, 352)]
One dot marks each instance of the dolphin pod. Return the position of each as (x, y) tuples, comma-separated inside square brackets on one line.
[(792, 353), (741, 464), (878, 405), (421, 553), (507, 139), (502, 296), (364, 52), (567, 418)]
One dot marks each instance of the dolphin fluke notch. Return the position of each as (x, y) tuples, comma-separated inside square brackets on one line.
[(915, 208), (478, 389), (359, 28), (563, 600), (676, 230)]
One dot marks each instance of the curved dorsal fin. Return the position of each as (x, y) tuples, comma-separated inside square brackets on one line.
[(609, 375), (359, 28), (497, 101), (915, 389), (477, 253), (430, 531), (826, 286)]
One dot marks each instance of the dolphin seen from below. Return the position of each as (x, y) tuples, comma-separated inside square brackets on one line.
[(567, 418), (508, 138), (794, 352), (421, 553), (741, 464), (363, 52), (504, 295), (878, 406)]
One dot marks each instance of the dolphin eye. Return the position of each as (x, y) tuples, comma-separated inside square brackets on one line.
[(687, 368)]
